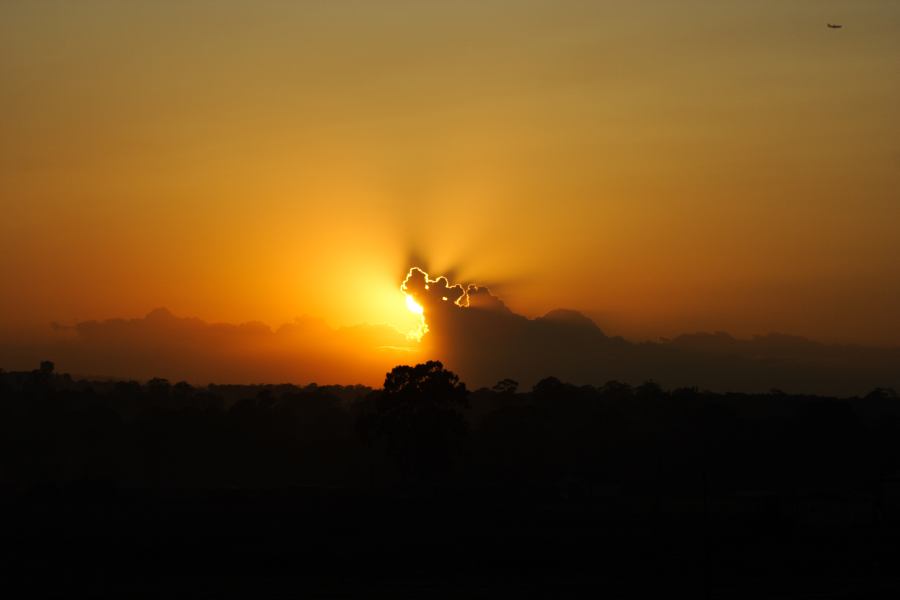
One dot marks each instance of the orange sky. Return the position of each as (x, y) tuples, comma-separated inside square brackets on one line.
[(660, 166)]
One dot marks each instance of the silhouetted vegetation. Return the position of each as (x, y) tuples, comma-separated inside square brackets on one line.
[(425, 486)]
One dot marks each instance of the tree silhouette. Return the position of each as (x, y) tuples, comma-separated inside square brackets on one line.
[(506, 386), (418, 415)]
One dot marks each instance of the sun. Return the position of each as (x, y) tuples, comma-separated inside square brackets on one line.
[(417, 309), (414, 306)]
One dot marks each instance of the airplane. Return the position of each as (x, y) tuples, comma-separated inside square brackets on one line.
[(833, 26)]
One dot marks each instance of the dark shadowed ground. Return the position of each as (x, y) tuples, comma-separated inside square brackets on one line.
[(426, 489)]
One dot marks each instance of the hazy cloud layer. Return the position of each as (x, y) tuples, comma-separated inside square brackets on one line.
[(164, 345)]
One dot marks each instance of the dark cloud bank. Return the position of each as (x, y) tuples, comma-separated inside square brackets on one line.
[(472, 332), (483, 341)]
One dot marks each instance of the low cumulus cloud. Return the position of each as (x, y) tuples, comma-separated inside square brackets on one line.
[(476, 334)]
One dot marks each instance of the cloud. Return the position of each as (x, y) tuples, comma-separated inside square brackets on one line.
[(474, 333), (471, 331), (432, 293), (161, 344)]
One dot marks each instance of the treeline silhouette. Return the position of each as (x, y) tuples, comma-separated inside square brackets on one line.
[(425, 487)]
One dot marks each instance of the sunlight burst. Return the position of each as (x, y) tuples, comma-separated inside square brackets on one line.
[(414, 306)]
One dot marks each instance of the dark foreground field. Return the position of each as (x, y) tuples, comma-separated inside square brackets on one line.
[(340, 542), (424, 489)]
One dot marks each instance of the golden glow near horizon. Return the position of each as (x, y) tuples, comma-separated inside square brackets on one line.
[(661, 166)]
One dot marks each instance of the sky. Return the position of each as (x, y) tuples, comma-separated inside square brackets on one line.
[(662, 167)]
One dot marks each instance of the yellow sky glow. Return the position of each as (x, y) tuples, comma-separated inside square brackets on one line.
[(662, 167)]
